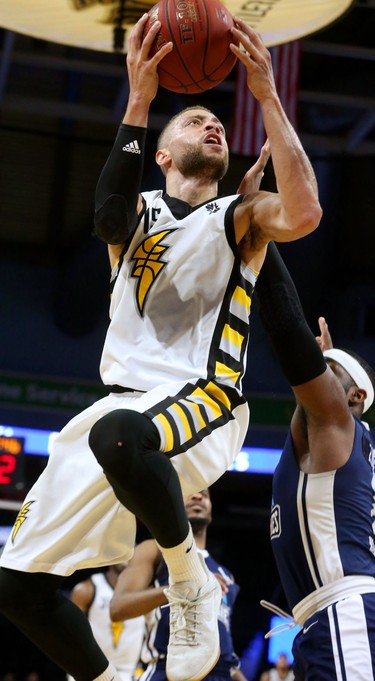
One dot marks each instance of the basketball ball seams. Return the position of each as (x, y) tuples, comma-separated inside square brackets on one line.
[(200, 33), (210, 75), (206, 43), (176, 48)]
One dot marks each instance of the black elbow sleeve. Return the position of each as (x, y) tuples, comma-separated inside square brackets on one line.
[(111, 221), (292, 340), (118, 186)]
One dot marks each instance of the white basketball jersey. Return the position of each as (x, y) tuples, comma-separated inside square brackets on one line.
[(180, 301), (275, 676), (121, 642)]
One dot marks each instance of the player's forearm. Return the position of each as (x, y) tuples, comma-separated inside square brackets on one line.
[(129, 605), (295, 177), (137, 111), (118, 187), (280, 310)]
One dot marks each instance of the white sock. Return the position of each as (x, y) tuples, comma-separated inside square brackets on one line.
[(110, 674), (183, 562)]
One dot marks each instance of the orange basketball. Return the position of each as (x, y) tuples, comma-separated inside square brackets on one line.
[(200, 32)]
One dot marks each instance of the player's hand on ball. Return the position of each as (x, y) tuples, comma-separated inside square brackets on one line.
[(142, 68), (256, 58)]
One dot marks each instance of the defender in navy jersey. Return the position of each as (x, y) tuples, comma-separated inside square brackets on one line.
[(143, 589), (184, 265), (323, 506)]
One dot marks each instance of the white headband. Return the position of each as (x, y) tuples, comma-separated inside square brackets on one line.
[(355, 370)]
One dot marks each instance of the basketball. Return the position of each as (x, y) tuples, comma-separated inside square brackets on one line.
[(200, 32)]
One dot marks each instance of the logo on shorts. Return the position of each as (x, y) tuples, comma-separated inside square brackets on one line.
[(309, 627), (21, 519)]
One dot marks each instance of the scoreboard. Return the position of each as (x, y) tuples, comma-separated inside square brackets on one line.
[(12, 463)]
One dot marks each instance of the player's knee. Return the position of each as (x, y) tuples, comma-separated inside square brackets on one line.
[(118, 438)]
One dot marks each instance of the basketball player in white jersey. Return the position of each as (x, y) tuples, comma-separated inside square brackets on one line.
[(120, 641), (184, 265), (280, 672)]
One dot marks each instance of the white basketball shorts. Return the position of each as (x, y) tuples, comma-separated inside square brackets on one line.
[(71, 518)]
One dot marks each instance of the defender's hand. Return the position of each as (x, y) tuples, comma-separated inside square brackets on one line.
[(324, 340), (250, 182)]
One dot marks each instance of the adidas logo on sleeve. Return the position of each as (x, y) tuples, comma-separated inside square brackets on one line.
[(133, 147)]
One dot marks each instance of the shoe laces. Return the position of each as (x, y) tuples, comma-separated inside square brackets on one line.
[(184, 617)]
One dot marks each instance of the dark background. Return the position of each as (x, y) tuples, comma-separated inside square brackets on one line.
[(59, 111)]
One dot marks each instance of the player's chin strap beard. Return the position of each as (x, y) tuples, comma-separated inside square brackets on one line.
[(196, 165)]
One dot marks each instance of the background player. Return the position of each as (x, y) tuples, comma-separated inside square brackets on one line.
[(120, 641), (143, 586)]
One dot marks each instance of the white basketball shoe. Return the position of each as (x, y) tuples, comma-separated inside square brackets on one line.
[(194, 645)]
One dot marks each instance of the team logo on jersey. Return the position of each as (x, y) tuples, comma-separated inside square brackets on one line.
[(148, 265), (117, 629), (22, 516), (275, 522), (212, 207)]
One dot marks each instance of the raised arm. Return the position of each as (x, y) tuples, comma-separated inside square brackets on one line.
[(117, 199), (299, 355), (322, 426), (135, 593), (295, 210)]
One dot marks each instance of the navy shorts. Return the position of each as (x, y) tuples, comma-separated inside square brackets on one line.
[(338, 643)]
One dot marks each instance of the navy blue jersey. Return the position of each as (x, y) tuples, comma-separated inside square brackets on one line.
[(156, 647), (322, 525)]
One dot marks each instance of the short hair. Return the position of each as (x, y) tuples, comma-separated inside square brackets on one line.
[(162, 139)]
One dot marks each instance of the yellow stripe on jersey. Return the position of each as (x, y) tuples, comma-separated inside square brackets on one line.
[(208, 401), (241, 297), (193, 405), (184, 422), (213, 389), (225, 371), (169, 439), (233, 336), (193, 413)]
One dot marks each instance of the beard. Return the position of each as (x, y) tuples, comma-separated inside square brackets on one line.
[(194, 163), (197, 523)]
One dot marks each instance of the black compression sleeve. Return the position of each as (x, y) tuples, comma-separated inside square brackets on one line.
[(280, 309), (118, 186)]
